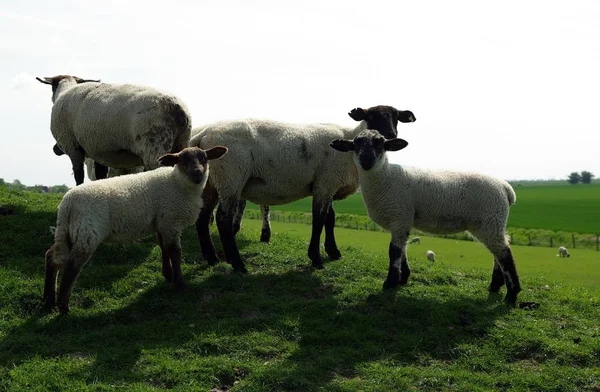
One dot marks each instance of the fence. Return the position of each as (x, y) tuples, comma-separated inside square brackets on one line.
[(518, 236)]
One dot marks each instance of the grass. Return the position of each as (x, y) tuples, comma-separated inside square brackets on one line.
[(285, 327), (570, 208)]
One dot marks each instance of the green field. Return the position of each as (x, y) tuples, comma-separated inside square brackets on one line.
[(570, 208), (286, 327)]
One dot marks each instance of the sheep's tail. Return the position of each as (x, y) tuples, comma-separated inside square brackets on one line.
[(183, 124), (510, 193), (57, 150), (62, 240)]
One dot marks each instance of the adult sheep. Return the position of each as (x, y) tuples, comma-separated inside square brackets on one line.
[(118, 125), (273, 163), (563, 252), (121, 209), (399, 198)]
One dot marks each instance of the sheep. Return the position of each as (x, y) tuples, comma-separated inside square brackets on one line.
[(430, 255), (563, 252), (121, 209), (399, 198), (273, 163), (415, 240), (118, 125)]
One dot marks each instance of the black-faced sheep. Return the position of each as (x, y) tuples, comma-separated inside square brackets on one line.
[(563, 252), (399, 198), (121, 209), (273, 163), (117, 125)]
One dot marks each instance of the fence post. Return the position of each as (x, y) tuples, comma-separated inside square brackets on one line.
[(529, 239), (551, 244), (573, 238)]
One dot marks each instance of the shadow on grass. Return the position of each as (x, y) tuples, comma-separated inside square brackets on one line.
[(329, 339)]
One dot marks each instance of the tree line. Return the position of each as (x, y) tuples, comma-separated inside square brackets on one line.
[(585, 177), (16, 184)]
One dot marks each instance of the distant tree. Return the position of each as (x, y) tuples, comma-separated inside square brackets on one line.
[(59, 189), (586, 177), (574, 178), (16, 184), (2, 183)]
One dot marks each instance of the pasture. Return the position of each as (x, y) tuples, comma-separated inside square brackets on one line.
[(571, 208), (286, 327)]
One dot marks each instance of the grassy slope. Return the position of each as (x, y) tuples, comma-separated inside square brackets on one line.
[(283, 326), (553, 207)]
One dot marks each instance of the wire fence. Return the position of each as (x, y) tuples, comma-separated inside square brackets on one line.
[(518, 236)]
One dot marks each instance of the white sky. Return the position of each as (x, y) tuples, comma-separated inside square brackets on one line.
[(509, 88)]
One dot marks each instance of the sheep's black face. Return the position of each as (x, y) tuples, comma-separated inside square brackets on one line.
[(193, 162), (383, 119), (369, 147)]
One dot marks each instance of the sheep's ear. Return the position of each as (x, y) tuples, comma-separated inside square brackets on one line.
[(169, 159), (45, 80), (216, 152), (342, 145), (358, 114), (79, 80), (406, 116), (395, 144)]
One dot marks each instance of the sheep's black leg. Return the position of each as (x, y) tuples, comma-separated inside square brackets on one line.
[(398, 271), (225, 215), (330, 246), (174, 250), (69, 275), (237, 220), (100, 171), (210, 198), (50, 282), (265, 233), (77, 159), (319, 215), (513, 286), (167, 270), (497, 277)]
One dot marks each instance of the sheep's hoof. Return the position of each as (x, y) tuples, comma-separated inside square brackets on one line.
[(212, 260), (318, 265), (48, 307), (334, 254), (240, 269), (181, 286), (265, 237), (63, 309), (390, 284), (511, 299)]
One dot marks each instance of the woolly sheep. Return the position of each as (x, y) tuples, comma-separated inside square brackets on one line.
[(118, 125), (399, 198), (430, 255), (415, 240), (273, 163), (121, 209), (563, 252)]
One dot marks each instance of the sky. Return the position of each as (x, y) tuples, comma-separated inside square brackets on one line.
[(510, 89)]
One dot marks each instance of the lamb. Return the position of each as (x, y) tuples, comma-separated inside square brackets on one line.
[(273, 163), (430, 255), (117, 125), (415, 240), (399, 198), (121, 209), (563, 252)]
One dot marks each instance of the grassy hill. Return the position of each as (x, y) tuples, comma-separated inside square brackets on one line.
[(285, 327)]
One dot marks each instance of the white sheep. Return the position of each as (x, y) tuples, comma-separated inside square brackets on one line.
[(118, 125), (563, 252), (415, 240), (121, 209), (273, 163), (399, 198), (430, 255)]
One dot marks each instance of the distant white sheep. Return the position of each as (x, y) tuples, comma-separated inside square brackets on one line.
[(272, 163), (415, 240), (118, 125), (563, 252), (399, 198), (430, 255), (121, 209)]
